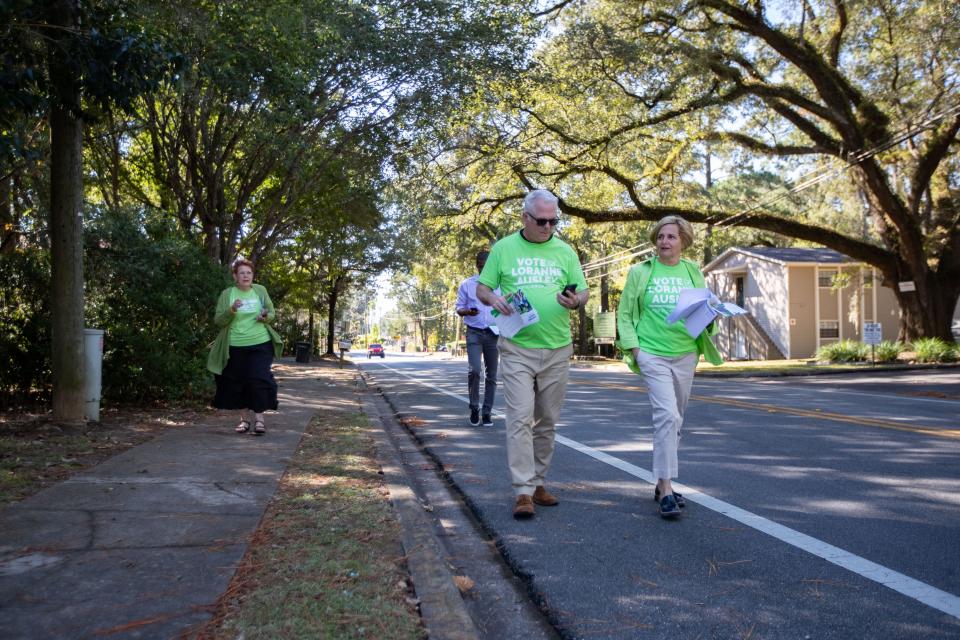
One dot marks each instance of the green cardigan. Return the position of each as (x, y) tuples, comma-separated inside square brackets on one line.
[(220, 348), (629, 310)]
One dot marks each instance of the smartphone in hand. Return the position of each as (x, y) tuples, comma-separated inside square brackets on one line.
[(570, 288)]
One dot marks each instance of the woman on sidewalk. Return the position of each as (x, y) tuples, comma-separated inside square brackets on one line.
[(664, 354), (243, 352)]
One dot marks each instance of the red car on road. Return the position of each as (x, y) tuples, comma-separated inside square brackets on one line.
[(375, 350)]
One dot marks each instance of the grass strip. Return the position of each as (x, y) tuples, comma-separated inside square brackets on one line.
[(326, 561)]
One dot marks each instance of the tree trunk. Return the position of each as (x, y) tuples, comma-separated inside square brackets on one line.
[(606, 350), (331, 314), (456, 335), (708, 185), (583, 345), (420, 332), (66, 223), (9, 228), (310, 330), (211, 242), (927, 311)]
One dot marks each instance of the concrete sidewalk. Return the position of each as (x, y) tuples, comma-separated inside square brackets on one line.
[(142, 545)]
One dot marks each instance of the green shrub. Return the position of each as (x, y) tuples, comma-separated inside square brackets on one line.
[(24, 327), (934, 350), (888, 351), (153, 292), (843, 351)]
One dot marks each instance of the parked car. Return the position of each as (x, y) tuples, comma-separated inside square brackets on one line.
[(375, 349)]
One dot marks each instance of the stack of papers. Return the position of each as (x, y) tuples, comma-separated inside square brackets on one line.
[(523, 315), (698, 308)]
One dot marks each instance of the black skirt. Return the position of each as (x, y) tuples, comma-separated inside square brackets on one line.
[(246, 381)]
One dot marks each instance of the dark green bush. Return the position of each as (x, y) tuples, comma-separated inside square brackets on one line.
[(153, 292), (24, 327)]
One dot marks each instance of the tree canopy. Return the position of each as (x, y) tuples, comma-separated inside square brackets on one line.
[(626, 99)]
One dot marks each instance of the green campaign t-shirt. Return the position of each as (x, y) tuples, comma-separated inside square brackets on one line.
[(655, 335), (245, 331), (540, 270)]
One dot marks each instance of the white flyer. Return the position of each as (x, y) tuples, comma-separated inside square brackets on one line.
[(698, 308), (523, 315)]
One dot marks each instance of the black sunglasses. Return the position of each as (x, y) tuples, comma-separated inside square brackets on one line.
[(542, 222)]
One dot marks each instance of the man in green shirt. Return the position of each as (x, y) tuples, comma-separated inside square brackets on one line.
[(534, 362)]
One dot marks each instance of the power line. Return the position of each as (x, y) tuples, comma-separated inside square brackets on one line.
[(612, 272), (597, 261), (602, 262), (854, 159)]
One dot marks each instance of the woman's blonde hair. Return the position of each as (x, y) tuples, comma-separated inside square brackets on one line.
[(685, 229)]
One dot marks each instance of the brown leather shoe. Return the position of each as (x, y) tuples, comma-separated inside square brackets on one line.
[(523, 508), (544, 499)]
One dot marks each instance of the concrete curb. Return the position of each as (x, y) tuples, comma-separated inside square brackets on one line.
[(441, 606)]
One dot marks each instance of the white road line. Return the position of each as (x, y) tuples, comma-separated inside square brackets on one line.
[(910, 587)]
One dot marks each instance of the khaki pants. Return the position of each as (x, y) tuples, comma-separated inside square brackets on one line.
[(534, 383), (668, 383)]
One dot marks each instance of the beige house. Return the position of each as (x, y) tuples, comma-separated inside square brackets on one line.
[(797, 300)]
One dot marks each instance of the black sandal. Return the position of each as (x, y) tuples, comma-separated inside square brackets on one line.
[(676, 496), (259, 428), (243, 427)]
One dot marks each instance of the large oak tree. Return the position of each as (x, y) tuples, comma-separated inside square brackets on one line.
[(633, 92)]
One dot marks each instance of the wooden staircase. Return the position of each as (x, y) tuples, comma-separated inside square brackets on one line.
[(742, 338)]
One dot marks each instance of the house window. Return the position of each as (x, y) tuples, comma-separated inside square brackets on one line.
[(829, 329), (825, 278)]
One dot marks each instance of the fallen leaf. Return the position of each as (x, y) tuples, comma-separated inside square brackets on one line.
[(463, 583)]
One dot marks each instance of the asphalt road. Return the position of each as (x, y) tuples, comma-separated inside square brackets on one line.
[(818, 507)]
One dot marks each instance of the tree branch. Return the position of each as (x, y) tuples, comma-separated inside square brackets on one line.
[(834, 90), (819, 138), (753, 144), (936, 151), (552, 9), (833, 48)]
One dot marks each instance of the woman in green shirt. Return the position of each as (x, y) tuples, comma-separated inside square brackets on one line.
[(664, 354), (243, 352)]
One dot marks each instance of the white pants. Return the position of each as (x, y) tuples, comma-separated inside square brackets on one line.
[(668, 383)]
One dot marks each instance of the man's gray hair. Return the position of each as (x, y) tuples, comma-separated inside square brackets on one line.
[(538, 194)]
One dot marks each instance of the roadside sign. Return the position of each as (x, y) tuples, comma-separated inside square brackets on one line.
[(907, 285), (872, 333), (605, 326)]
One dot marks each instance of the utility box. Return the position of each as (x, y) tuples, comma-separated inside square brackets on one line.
[(92, 370)]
